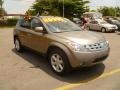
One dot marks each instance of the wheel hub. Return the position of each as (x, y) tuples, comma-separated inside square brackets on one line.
[(57, 63), (17, 45)]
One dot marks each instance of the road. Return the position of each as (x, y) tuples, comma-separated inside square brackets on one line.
[(29, 71)]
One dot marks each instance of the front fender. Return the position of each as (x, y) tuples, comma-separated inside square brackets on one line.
[(68, 52)]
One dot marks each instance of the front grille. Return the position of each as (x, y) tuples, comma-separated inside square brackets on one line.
[(96, 46)]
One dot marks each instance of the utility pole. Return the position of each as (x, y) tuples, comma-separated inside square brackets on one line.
[(1, 7), (116, 8), (63, 9), (115, 11)]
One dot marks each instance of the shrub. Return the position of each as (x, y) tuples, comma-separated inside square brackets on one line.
[(8, 22)]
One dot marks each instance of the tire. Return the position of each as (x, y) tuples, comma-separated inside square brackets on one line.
[(59, 62), (103, 30), (18, 46), (114, 31)]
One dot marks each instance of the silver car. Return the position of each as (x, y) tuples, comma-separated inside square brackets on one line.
[(101, 25)]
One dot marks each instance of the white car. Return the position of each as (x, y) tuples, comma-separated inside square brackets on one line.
[(101, 25)]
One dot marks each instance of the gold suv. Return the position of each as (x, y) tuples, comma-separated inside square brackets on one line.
[(65, 44)]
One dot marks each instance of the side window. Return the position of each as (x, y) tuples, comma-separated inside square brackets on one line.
[(25, 24), (95, 22), (36, 23), (20, 21), (92, 22)]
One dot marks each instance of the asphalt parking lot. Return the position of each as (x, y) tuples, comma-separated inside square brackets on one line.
[(29, 71)]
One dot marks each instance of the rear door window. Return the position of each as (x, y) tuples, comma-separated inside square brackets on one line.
[(24, 23), (95, 22)]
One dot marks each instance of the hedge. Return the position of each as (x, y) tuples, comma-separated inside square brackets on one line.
[(8, 22)]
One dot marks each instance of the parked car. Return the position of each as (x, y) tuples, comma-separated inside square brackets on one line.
[(101, 25), (115, 22), (117, 18), (64, 44), (77, 21), (93, 15)]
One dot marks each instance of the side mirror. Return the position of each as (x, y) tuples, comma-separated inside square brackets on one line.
[(39, 29)]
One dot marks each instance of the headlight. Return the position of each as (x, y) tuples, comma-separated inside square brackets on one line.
[(77, 47), (106, 43)]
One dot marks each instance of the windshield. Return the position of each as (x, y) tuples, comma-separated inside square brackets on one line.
[(57, 24), (103, 22)]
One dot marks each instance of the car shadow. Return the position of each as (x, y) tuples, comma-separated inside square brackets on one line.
[(76, 76), (117, 33)]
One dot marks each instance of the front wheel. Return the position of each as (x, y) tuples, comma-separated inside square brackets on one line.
[(59, 62)]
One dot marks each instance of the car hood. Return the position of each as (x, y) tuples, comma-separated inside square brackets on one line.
[(82, 37), (108, 25)]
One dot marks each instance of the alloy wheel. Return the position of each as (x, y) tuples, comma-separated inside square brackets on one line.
[(57, 63)]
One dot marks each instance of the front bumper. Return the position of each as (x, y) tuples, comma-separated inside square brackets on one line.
[(81, 59), (118, 30), (111, 30)]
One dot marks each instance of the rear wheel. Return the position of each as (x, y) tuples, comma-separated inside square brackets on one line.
[(18, 45), (88, 28), (59, 62), (103, 30)]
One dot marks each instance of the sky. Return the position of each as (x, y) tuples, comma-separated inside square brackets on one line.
[(98, 3), (20, 6), (17, 6)]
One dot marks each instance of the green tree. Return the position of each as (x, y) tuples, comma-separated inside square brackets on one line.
[(73, 7), (117, 11), (55, 7), (110, 11), (1, 3), (2, 12), (1, 8)]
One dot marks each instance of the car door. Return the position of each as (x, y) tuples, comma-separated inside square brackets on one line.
[(37, 39), (23, 29), (91, 24), (96, 26)]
